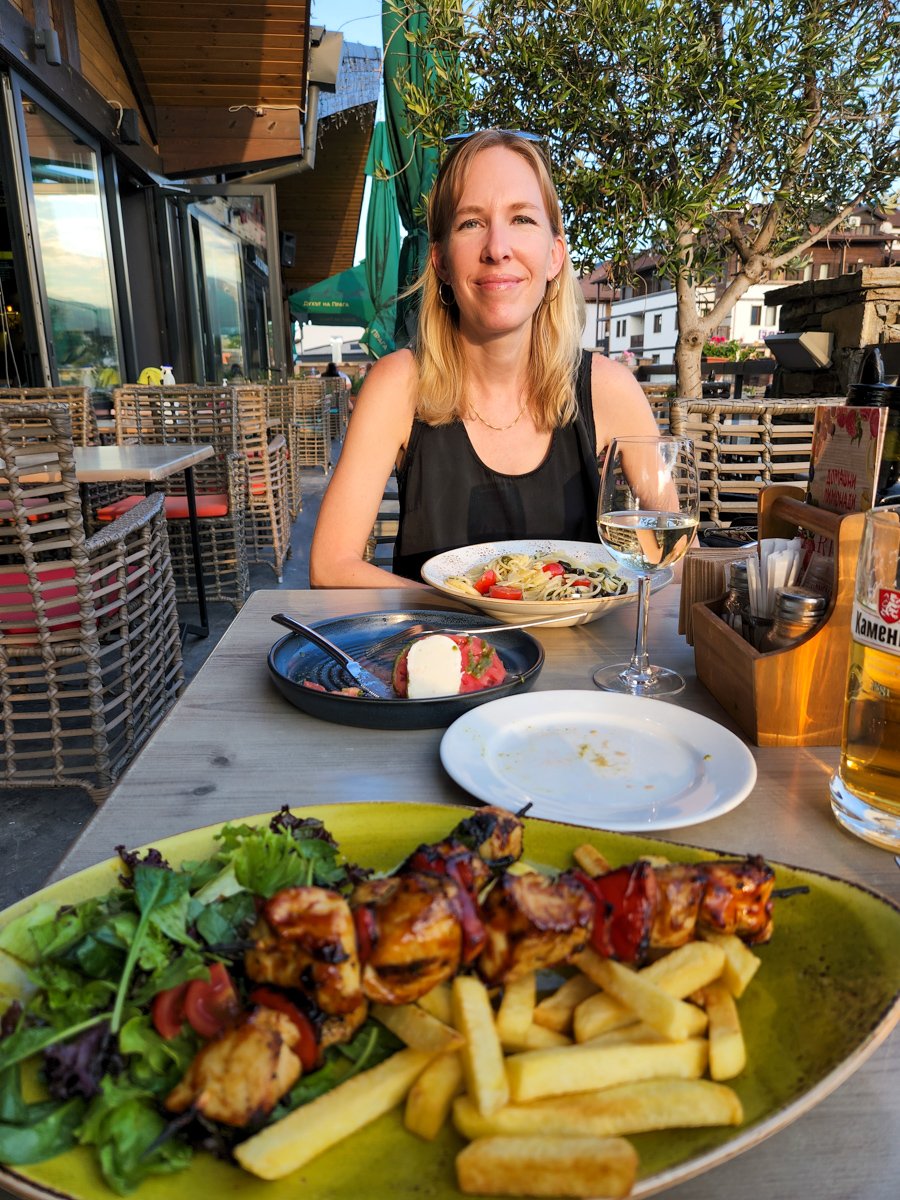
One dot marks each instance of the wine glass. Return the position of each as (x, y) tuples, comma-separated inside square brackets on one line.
[(647, 514)]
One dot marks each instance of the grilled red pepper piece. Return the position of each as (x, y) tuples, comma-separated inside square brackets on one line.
[(456, 862), (625, 905)]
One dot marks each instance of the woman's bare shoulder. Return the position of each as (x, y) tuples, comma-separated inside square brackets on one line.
[(620, 406), (612, 374)]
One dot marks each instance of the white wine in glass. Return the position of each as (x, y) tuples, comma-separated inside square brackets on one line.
[(647, 516)]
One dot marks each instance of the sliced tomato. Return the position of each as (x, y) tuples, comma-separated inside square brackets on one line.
[(553, 569), (167, 1011), (486, 582), (581, 583), (307, 1048), (505, 591), (211, 1005)]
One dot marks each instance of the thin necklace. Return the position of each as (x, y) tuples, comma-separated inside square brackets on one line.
[(498, 428)]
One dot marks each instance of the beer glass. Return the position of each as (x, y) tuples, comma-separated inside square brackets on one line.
[(865, 792)]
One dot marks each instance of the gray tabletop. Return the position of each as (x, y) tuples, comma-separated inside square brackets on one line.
[(234, 747)]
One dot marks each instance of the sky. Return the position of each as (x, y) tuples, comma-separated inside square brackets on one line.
[(357, 20)]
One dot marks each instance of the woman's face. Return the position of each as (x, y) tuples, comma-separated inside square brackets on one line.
[(501, 250)]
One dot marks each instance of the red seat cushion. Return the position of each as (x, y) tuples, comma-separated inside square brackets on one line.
[(209, 504), (24, 621)]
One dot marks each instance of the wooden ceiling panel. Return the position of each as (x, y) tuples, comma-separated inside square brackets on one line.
[(322, 207)]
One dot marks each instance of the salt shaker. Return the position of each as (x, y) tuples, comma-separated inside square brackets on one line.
[(737, 598), (797, 611)]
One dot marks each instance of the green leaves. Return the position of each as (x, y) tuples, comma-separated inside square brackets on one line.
[(30, 1133), (124, 1125)]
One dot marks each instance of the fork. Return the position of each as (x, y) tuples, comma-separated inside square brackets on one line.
[(412, 632)]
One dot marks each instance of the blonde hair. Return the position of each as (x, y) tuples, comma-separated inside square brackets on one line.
[(555, 350)]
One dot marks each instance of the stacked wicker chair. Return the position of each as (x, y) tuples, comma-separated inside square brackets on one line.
[(198, 415), (90, 655), (77, 400), (280, 409), (268, 519), (744, 445), (312, 418)]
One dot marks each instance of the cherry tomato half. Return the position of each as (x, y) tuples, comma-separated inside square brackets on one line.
[(167, 1011), (553, 569), (307, 1048), (581, 583), (211, 1005), (505, 591), (486, 582)]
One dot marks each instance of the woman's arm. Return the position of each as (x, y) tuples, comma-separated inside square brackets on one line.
[(379, 429), (620, 406)]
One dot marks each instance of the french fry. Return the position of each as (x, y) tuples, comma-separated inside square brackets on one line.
[(516, 1010), (590, 860), (727, 1051), (678, 974), (637, 1031), (417, 1028), (556, 1010), (547, 1166), (625, 1108), (741, 964), (587, 1067), (305, 1133), (537, 1037), (438, 1002), (431, 1096), (672, 1018), (482, 1055)]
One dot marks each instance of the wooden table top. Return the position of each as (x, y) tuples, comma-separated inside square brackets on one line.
[(234, 747)]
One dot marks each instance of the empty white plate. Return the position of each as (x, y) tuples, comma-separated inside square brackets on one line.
[(599, 759)]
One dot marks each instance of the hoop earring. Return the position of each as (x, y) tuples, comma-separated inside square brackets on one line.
[(547, 297), (446, 303)]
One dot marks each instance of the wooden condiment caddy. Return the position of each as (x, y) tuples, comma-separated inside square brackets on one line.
[(794, 696)]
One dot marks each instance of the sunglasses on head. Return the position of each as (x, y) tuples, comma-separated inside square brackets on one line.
[(454, 139)]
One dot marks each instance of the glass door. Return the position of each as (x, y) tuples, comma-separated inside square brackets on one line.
[(233, 277)]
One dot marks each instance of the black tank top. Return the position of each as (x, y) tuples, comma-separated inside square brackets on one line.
[(449, 498)]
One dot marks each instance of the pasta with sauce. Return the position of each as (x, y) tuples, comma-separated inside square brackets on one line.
[(538, 577)]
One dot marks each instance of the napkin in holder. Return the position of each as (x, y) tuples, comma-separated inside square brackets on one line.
[(704, 577)]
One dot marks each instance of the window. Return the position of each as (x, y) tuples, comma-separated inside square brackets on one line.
[(755, 314), (657, 322), (71, 232), (823, 270), (621, 326)]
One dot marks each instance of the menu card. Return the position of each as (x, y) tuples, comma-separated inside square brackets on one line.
[(846, 453)]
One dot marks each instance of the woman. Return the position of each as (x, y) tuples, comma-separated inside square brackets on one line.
[(495, 423)]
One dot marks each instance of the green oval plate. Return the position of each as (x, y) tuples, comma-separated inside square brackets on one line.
[(827, 994)]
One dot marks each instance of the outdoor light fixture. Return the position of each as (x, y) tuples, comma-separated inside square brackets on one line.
[(809, 351), (48, 41)]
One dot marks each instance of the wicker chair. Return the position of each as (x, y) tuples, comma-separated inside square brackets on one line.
[(78, 401), (268, 520), (90, 654), (744, 445), (312, 420), (205, 415), (280, 409)]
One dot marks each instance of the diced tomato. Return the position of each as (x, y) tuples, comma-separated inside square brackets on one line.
[(307, 1048), (211, 1005), (486, 582), (167, 1011), (505, 591), (553, 568)]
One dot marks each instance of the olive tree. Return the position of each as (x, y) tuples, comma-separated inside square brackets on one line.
[(712, 133)]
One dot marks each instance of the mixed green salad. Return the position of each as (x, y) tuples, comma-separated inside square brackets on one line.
[(124, 989)]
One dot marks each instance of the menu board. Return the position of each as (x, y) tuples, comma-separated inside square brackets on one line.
[(846, 453)]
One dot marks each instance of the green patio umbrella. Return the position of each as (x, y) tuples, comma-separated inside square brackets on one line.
[(341, 299), (382, 246), (416, 165)]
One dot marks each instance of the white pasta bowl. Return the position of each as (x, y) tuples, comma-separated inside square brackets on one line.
[(442, 567)]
